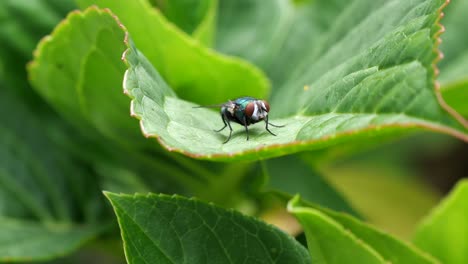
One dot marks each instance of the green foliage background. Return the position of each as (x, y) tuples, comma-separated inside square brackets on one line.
[(87, 86)]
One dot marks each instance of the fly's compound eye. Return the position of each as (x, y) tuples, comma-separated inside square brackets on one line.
[(249, 109), (266, 106)]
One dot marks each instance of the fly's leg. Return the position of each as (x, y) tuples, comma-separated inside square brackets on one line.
[(266, 126), (226, 123), (268, 123), (273, 125), (230, 132), (246, 129)]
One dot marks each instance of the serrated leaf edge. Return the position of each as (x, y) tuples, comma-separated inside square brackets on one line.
[(440, 55)]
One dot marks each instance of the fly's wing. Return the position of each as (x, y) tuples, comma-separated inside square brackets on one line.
[(209, 106)]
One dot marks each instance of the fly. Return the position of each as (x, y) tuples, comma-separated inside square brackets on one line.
[(244, 111)]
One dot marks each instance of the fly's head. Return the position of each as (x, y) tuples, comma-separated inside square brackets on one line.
[(257, 110)]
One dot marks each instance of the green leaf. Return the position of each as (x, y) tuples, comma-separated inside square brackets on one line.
[(30, 241), (49, 205), (195, 17), (327, 231), (443, 231), (77, 75), (365, 87), (456, 95), (453, 73), (328, 242), (22, 24), (195, 72), (164, 229), (385, 194), (291, 175), (120, 179)]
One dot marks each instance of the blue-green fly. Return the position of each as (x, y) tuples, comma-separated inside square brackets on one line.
[(244, 111)]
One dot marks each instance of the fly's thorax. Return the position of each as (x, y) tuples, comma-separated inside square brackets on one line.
[(257, 110), (228, 107)]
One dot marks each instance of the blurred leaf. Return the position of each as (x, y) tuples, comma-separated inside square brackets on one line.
[(194, 72), (164, 229), (456, 95), (453, 68), (385, 194), (327, 231), (370, 95), (195, 17), (49, 205), (30, 241), (22, 24), (291, 175), (328, 242), (120, 179), (443, 231)]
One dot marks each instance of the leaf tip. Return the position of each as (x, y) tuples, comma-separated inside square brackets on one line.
[(110, 196), (293, 203), (107, 193)]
